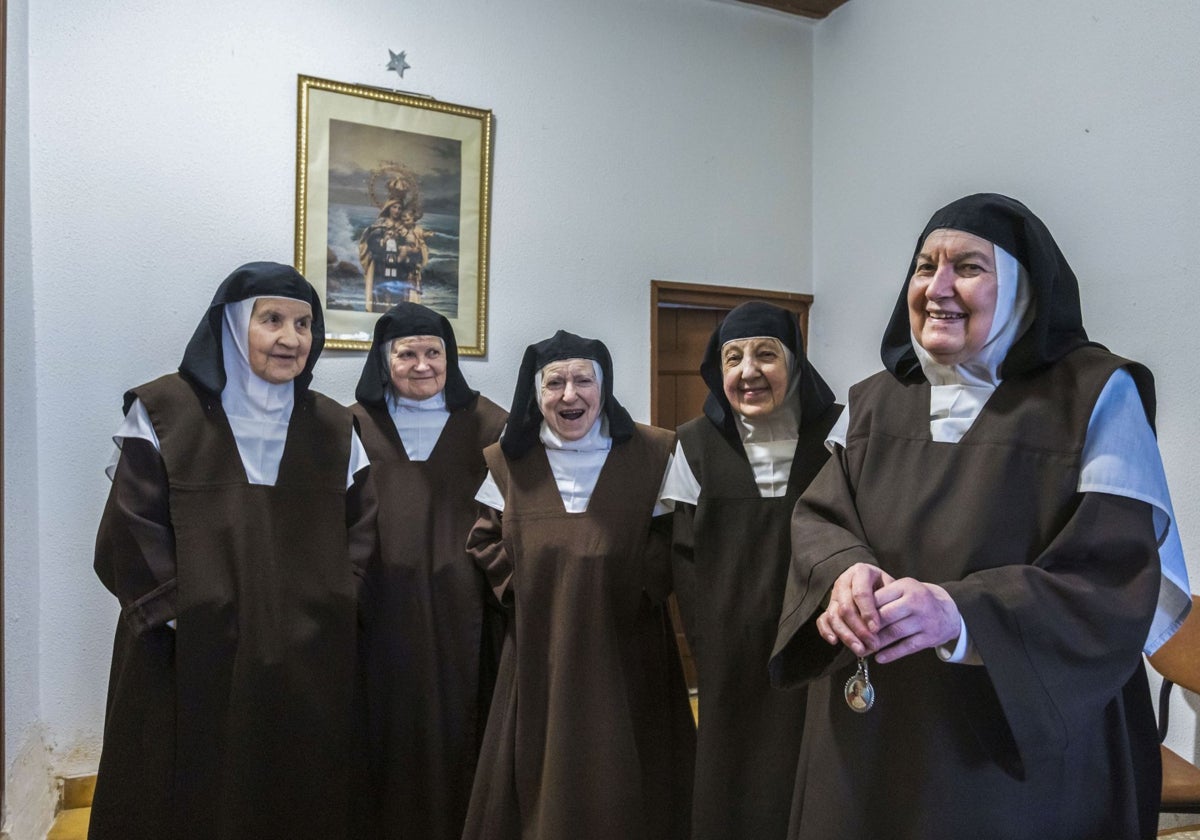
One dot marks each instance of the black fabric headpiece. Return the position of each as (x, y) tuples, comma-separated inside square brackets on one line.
[(750, 320), (401, 321), (1057, 326), (203, 361), (525, 418)]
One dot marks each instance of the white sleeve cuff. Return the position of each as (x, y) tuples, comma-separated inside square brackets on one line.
[(489, 494), (135, 425), (358, 458), (964, 652), (679, 483)]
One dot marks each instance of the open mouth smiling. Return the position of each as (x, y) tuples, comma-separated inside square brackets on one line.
[(571, 413)]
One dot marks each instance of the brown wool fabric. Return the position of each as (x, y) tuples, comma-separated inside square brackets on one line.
[(590, 735), (1055, 736), (238, 723)]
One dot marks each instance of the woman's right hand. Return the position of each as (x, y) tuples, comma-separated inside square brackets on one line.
[(852, 616)]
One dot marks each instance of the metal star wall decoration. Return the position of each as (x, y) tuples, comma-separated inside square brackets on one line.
[(398, 63)]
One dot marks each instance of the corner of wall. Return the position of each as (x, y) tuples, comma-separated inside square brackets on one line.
[(30, 790)]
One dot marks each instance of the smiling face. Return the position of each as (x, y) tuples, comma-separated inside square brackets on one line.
[(952, 295), (418, 366), (755, 375), (570, 397), (279, 339)]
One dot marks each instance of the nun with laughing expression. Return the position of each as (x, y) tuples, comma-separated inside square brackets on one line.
[(590, 735), (239, 526)]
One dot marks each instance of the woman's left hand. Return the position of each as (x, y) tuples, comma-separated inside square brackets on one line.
[(914, 616)]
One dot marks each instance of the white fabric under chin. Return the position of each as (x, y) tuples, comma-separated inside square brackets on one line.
[(419, 423), (576, 470), (770, 461), (770, 448), (137, 425), (576, 467), (258, 410)]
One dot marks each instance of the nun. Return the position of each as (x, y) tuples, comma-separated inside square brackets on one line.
[(238, 529), (590, 734), (980, 566), (431, 649), (735, 478)]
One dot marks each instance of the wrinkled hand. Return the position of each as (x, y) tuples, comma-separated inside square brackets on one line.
[(913, 616), (852, 617)]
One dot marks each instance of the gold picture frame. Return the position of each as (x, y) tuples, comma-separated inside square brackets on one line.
[(393, 198)]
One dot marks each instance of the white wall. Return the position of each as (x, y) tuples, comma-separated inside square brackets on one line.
[(29, 788), (635, 139), (1087, 111)]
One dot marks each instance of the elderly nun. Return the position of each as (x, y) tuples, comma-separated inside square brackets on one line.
[(431, 647), (237, 530), (590, 734), (736, 475), (979, 567)]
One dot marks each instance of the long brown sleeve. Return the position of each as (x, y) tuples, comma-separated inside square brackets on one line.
[(485, 545), (135, 545)]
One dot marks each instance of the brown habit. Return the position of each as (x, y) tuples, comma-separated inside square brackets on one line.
[(590, 735), (430, 651), (730, 564), (1054, 735), (237, 724)]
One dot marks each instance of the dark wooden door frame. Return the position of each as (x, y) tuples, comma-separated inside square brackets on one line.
[(703, 296)]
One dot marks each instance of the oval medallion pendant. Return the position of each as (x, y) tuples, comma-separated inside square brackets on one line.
[(859, 693)]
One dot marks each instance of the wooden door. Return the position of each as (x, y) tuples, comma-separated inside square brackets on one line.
[(682, 318)]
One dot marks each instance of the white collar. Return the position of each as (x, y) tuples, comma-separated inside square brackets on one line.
[(398, 403), (419, 423), (597, 438)]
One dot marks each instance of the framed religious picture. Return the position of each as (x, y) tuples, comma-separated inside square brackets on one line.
[(392, 199)]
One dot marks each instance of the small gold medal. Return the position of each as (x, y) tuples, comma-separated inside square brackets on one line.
[(860, 694)]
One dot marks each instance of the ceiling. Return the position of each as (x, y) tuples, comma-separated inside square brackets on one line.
[(805, 8)]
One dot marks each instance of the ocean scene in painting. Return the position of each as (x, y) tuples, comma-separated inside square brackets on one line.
[(344, 283), (370, 169)]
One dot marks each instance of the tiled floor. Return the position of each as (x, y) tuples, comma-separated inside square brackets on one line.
[(71, 824)]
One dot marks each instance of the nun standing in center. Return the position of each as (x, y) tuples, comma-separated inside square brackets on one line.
[(736, 475), (429, 652), (590, 735)]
